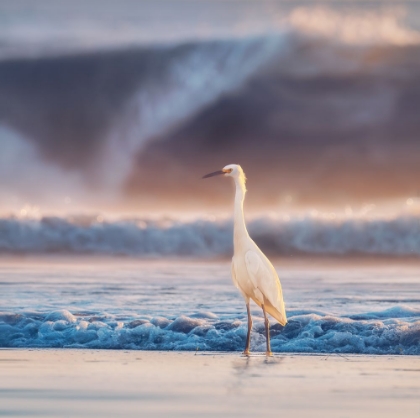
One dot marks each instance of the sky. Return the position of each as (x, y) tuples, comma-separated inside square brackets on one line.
[(121, 108)]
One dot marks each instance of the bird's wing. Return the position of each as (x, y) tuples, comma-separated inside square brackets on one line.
[(265, 279)]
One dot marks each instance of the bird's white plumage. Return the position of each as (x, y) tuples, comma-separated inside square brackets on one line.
[(252, 272), (235, 282), (265, 279)]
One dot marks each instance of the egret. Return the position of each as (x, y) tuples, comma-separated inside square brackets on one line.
[(252, 272)]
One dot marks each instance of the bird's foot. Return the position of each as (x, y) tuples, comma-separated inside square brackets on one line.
[(269, 354), (246, 353)]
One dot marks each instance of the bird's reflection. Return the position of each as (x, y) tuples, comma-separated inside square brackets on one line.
[(247, 363), (250, 367), (241, 366)]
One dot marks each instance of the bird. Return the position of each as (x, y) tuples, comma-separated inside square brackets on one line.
[(252, 272)]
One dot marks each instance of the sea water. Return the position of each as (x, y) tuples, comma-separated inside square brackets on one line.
[(333, 306)]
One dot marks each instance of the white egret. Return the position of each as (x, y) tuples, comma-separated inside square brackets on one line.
[(252, 272)]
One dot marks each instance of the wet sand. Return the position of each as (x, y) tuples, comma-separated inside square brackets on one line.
[(107, 383)]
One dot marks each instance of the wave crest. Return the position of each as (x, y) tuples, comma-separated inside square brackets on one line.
[(205, 238)]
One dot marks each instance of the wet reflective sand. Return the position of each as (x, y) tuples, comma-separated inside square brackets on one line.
[(87, 383)]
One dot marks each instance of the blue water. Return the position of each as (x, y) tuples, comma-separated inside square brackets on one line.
[(348, 306)]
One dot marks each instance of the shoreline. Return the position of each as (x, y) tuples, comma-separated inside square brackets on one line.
[(87, 383)]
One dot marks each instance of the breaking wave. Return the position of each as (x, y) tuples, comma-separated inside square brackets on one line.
[(158, 88), (205, 238), (110, 111), (393, 331)]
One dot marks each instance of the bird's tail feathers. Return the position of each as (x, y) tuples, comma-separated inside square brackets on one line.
[(278, 315)]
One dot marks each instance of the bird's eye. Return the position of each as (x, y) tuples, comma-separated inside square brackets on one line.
[(230, 170)]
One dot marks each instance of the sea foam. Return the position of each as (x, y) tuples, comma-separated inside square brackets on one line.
[(397, 332)]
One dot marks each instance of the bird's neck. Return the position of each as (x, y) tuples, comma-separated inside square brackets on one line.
[(239, 228)]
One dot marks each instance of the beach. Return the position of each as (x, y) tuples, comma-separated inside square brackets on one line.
[(109, 383)]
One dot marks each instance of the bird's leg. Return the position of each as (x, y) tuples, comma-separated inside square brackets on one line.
[(248, 337), (267, 332)]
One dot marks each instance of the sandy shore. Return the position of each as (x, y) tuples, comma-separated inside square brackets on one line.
[(88, 383)]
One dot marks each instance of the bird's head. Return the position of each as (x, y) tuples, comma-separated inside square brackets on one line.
[(231, 170)]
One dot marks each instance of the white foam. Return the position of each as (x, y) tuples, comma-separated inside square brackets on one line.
[(303, 333)]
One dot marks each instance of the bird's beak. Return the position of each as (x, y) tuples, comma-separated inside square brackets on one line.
[(215, 173)]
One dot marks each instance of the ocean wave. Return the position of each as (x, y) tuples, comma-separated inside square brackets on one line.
[(201, 103), (306, 333), (205, 238), (124, 100)]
